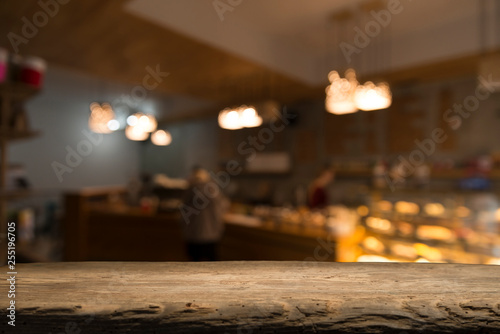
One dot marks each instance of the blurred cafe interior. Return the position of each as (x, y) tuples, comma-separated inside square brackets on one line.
[(340, 131)]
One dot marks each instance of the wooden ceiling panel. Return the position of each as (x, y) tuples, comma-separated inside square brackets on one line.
[(100, 38)]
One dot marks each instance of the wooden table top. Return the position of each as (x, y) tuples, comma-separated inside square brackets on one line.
[(257, 297)]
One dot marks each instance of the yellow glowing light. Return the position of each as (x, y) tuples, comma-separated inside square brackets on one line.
[(379, 224), (136, 133), (405, 251), (431, 232), (363, 210), (405, 228), (229, 119), (494, 262), (340, 93), (429, 253), (497, 215), (407, 207), (249, 117), (434, 209), (463, 212), (373, 244), (100, 116), (384, 205), (161, 138), (373, 97), (241, 117), (373, 258)]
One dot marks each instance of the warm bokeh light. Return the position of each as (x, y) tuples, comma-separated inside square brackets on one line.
[(341, 92), (241, 117), (379, 224), (136, 133), (373, 97), (407, 208), (363, 210), (161, 138), (463, 212), (494, 262), (432, 232), (429, 253), (434, 209), (147, 123), (405, 251), (373, 244), (373, 258), (100, 116), (249, 118), (346, 95), (497, 215), (384, 206)]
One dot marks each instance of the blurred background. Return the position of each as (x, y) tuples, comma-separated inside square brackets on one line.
[(106, 106)]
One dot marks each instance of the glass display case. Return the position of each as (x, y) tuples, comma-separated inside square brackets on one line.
[(431, 226)]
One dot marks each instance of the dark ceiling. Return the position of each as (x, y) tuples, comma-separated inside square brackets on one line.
[(100, 38)]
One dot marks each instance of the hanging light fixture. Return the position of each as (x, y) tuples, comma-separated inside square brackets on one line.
[(136, 133), (340, 94), (373, 97), (100, 116), (145, 121), (161, 138), (229, 119), (238, 118), (347, 95), (249, 117)]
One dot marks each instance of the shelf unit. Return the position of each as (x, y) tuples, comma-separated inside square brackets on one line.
[(10, 93)]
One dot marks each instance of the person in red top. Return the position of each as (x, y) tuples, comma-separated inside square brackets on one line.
[(318, 196)]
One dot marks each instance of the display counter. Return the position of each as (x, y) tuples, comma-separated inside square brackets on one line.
[(99, 228)]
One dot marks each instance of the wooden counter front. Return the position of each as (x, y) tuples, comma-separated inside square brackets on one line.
[(104, 233)]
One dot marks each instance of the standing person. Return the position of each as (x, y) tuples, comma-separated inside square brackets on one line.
[(318, 196), (204, 226)]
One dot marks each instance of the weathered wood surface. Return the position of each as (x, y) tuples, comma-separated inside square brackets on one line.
[(254, 297)]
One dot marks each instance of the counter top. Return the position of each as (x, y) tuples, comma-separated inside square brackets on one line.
[(264, 297)]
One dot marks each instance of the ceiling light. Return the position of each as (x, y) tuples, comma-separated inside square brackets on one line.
[(238, 118), (341, 92), (136, 133), (161, 138), (132, 120), (373, 97), (100, 115), (113, 125)]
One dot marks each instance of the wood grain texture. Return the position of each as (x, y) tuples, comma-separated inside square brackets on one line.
[(255, 297)]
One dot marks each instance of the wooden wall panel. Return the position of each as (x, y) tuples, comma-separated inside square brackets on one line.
[(445, 101), (340, 133), (405, 124), (306, 146)]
